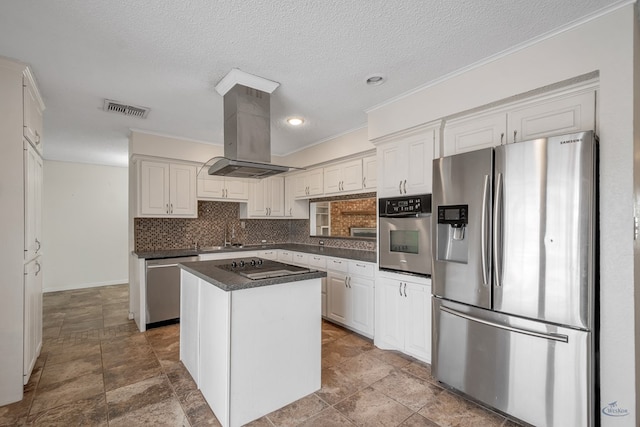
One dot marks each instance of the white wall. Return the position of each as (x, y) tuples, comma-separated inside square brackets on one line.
[(605, 44), (84, 225)]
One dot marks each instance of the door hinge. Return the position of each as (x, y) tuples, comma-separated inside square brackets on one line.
[(635, 227)]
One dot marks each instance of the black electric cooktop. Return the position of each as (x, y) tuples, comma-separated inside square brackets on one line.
[(259, 268)]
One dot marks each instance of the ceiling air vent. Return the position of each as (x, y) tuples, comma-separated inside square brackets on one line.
[(127, 110)]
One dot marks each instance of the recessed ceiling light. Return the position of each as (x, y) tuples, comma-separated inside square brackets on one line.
[(295, 121), (375, 79)]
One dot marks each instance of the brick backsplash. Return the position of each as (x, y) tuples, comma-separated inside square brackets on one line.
[(209, 230)]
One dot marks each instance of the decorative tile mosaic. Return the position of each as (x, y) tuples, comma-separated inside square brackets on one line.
[(217, 218)]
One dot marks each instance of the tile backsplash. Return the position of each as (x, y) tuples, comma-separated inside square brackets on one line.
[(216, 217)]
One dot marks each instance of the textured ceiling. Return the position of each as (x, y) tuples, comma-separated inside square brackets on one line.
[(168, 55)]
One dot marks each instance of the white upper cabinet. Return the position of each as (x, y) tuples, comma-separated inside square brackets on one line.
[(370, 173), (309, 183), (32, 111), (212, 187), (167, 190), (266, 199), (554, 114), (293, 208), (343, 177), (474, 133), (405, 162), (33, 202)]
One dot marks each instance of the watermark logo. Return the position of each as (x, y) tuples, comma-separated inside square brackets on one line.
[(613, 410)]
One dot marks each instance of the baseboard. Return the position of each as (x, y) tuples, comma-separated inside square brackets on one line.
[(86, 285)]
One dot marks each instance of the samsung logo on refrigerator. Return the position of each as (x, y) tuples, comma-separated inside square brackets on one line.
[(570, 141)]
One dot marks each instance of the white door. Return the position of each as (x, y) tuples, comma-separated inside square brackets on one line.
[(552, 117), (258, 197), (32, 201), (391, 173), (417, 327), (361, 303), (315, 181), (182, 190), (32, 316), (390, 325), (419, 163), (474, 133), (333, 179), (154, 188), (337, 307), (352, 175), (236, 189), (370, 173), (276, 207), (210, 186)]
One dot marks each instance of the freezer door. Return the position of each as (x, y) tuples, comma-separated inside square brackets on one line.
[(537, 372), (462, 252), (544, 229)]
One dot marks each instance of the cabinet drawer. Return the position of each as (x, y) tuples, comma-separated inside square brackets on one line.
[(300, 259), (337, 264), (318, 261), (285, 256), (272, 254), (359, 268)]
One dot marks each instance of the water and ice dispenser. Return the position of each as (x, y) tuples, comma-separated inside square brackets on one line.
[(453, 244)]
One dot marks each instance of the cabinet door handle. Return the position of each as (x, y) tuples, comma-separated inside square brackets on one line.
[(364, 182), (290, 211), (39, 267), (502, 138), (405, 186), (405, 289), (269, 211), (167, 207), (39, 245), (171, 208), (515, 132), (266, 211), (37, 138), (400, 288), (400, 187)]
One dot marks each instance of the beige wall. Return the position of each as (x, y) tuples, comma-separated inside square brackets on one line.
[(349, 143), (84, 226), (605, 44)]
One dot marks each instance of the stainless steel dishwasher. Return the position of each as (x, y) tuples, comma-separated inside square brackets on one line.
[(163, 290)]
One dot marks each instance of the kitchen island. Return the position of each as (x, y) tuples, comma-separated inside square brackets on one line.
[(252, 346)]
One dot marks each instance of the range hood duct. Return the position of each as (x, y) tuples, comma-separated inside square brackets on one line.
[(247, 135)]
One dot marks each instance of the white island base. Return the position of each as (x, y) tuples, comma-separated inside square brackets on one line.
[(251, 351)]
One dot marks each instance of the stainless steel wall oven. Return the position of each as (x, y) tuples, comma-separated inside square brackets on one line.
[(405, 234)]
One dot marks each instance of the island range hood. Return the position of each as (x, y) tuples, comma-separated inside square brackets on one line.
[(247, 127)]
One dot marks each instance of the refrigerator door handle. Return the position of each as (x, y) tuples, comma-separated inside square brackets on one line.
[(483, 232), (552, 337), (497, 231)]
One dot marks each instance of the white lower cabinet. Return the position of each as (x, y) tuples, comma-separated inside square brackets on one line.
[(403, 315), (350, 294), (32, 316), (319, 262)]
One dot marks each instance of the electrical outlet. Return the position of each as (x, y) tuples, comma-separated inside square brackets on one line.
[(321, 242)]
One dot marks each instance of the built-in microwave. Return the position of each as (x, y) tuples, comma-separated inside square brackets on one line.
[(405, 234)]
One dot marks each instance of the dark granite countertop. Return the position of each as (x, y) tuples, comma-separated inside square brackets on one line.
[(229, 281), (354, 254)]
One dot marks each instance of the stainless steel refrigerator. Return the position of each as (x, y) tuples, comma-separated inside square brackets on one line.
[(514, 277)]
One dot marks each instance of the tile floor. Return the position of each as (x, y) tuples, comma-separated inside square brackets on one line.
[(96, 369)]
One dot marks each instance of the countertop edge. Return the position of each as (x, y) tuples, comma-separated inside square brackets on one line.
[(347, 253), (242, 283)]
